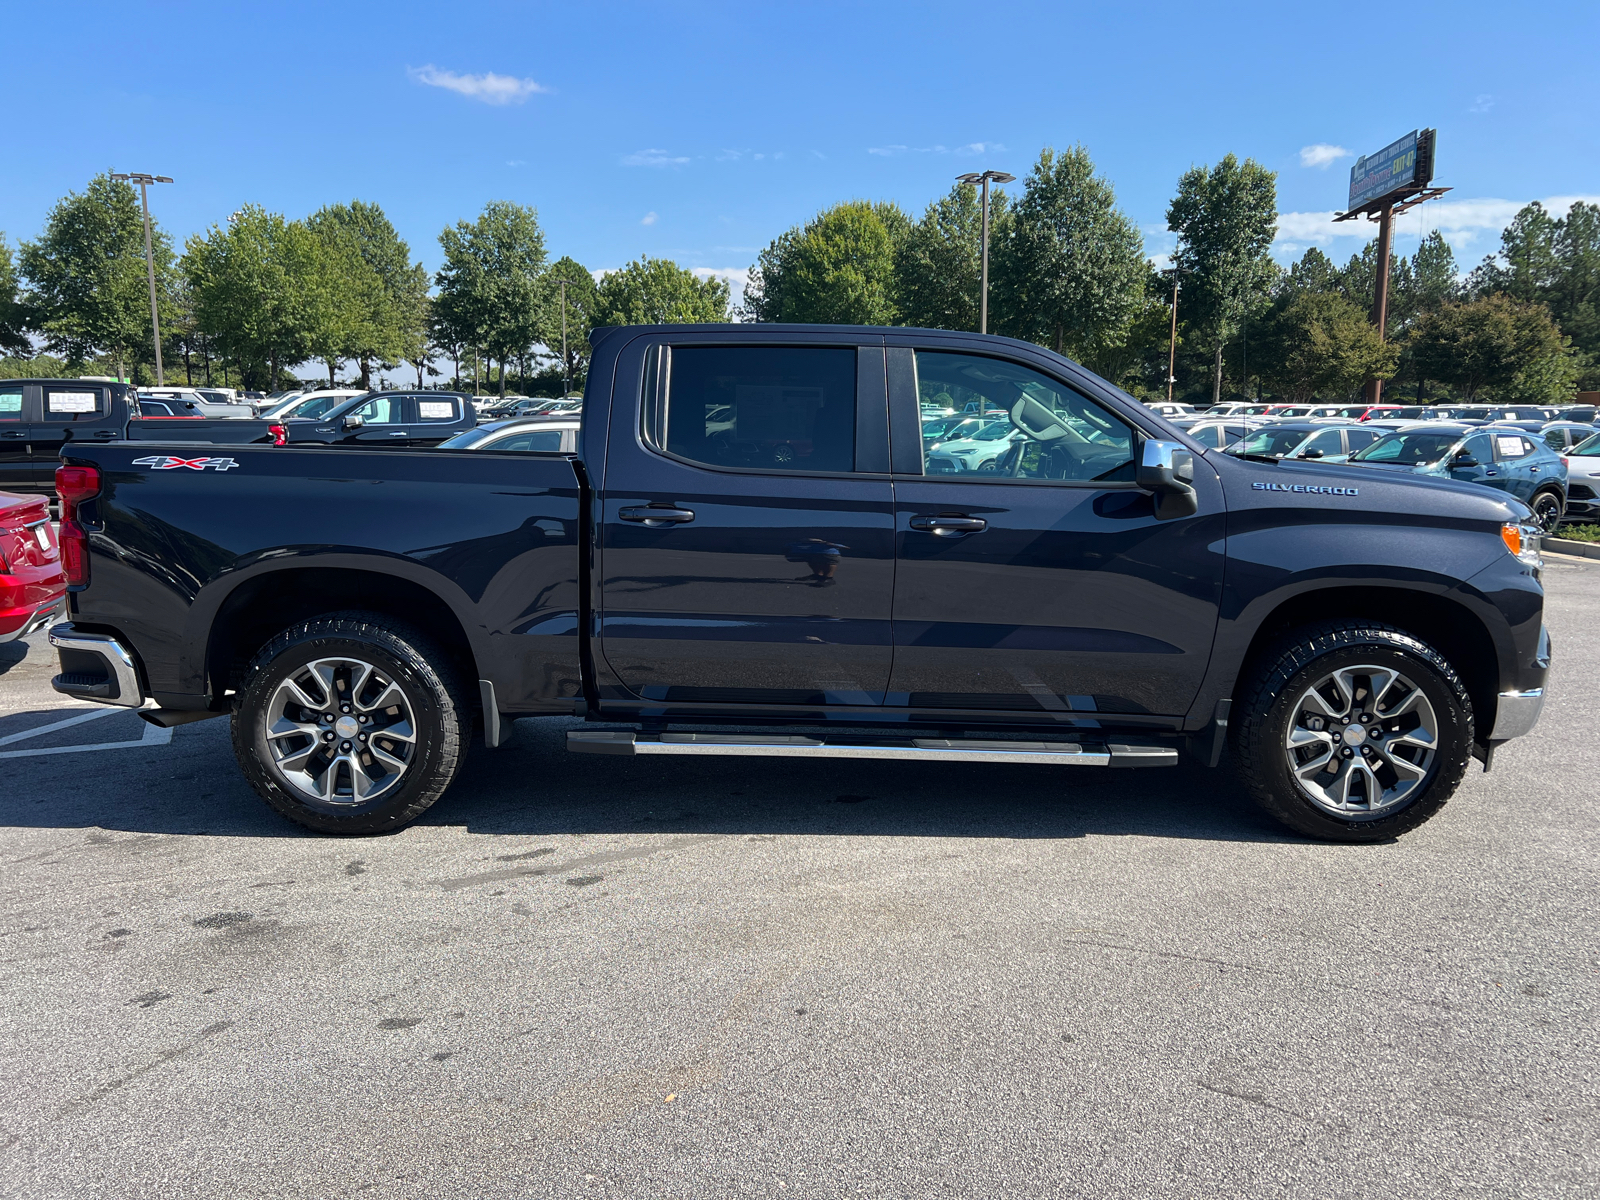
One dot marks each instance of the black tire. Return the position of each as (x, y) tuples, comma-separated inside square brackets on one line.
[(1547, 510), (439, 710), (1267, 704)]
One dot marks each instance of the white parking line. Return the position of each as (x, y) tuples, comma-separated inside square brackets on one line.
[(154, 735)]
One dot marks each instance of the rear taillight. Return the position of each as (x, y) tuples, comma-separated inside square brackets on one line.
[(74, 485), (280, 434)]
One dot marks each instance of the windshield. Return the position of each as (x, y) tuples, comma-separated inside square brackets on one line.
[(1588, 448), (311, 408), (1408, 449), (1271, 442)]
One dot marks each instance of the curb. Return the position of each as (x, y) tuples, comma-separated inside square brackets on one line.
[(1561, 545)]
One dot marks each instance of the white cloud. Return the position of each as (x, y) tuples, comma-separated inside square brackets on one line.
[(1322, 155), (488, 87), (649, 218), (980, 148), (1482, 103), (1463, 222), (516, 162), (653, 158), (966, 151), (886, 151)]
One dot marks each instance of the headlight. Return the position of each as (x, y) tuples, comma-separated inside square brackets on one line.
[(1523, 541)]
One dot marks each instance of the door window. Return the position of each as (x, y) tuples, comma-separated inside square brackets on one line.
[(1325, 443), (382, 410), (1479, 447), (72, 404), (11, 405), (1047, 430), (435, 410), (1359, 438), (781, 408), (1510, 446)]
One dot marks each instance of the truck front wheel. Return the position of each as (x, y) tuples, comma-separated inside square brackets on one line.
[(350, 723), (1353, 732)]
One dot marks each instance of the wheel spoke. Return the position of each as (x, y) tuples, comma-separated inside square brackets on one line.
[(296, 760), (394, 763), (390, 697), (284, 725), (1380, 681), (300, 695), (1315, 765), (1408, 770), (1314, 699)]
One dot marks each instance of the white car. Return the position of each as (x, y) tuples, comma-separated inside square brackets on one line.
[(310, 405), (206, 406), (980, 451), (1583, 482)]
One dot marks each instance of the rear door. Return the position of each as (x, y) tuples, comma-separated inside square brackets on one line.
[(16, 460), (747, 528), (68, 412), (1045, 586), (1514, 453), (433, 418)]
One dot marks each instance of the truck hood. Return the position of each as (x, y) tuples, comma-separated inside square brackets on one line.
[(1395, 492)]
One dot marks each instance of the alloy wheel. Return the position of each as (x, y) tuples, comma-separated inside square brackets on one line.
[(341, 731)]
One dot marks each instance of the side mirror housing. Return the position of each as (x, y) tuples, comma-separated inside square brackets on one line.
[(1463, 460), (1312, 453), (353, 422), (1166, 469)]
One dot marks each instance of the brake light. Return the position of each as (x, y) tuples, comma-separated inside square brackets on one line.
[(280, 434), (74, 485)]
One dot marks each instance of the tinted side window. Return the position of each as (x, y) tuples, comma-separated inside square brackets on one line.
[(73, 404), (434, 409), (780, 407), (1508, 446), (1360, 438), (1047, 430), (540, 441), (385, 410), (11, 405), (1479, 446)]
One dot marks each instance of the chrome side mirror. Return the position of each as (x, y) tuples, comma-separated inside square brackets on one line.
[(354, 422)]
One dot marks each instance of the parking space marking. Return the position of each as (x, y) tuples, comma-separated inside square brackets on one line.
[(154, 735)]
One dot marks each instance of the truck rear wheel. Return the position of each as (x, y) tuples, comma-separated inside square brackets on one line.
[(350, 723), (1353, 732)]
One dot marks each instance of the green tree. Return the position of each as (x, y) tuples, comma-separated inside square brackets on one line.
[(490, 291), (839, 269), (392, 324), (90, 291), (254, 287), (1314, 272), (582, 294), (1071, 267), (656, 291), (938, 261), (1321, 345), (1486, 343), (1225, 219), (14, 319)]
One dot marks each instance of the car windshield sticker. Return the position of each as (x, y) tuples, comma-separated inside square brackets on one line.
[(71, 402), (436, 410), (10, 402), (1510, 447), (168, 462)]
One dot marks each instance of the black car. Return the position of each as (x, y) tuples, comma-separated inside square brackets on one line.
[(392, 419)]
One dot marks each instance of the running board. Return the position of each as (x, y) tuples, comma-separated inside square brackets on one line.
[(1115, 754)]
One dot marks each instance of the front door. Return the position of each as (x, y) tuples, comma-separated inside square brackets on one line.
[(385, 421), (16, 467), (747, 531), (1042, 583)]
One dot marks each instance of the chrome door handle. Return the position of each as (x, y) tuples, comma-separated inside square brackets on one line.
[(655, 517), (398, 433), (949, 525)]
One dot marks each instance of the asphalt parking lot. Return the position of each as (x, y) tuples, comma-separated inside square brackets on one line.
[(615, 977)]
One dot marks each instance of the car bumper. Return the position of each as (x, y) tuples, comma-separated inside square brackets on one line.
[(20, 622), (95, 666), (1517, 714)]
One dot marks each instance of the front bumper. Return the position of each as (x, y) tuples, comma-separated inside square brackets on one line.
[(1517, 714)]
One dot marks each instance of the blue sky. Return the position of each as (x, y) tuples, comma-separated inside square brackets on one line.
[(700, 131)]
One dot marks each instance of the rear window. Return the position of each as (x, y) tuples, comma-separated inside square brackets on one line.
[(11, 405), (788, 408), (436, 410), (538, 441), (73, 403)]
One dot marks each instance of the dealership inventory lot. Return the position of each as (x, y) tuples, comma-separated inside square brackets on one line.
[(597, 976)]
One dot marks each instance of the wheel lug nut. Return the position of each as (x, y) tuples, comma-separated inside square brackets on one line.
[(361, 737), (363, 719), (345, 746), (344, 708), (1365, 717), (328, 737), (1347, 752)]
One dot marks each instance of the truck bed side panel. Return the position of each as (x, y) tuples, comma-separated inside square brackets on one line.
[(494, 536)]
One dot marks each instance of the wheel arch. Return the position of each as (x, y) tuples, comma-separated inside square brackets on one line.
[(262, 603)]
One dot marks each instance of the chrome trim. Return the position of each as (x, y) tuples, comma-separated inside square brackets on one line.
[(41, 618), (129, 694), (1161, 454), (926, 749), (1517, 714)]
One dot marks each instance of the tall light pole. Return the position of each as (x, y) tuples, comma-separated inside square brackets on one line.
[(984, 178), (1172, 338), (566, 372), (144, 182)]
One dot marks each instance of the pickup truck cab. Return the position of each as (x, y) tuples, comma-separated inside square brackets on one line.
[(1109, 594), (387, 419)]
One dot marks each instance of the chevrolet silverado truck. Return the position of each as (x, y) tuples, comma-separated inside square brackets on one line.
[(40, 417), (752, 553)]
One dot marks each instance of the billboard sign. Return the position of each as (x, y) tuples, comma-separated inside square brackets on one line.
[(1403, 164)]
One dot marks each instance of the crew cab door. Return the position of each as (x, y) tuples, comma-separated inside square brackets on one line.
[(68, 412), (746, 527), (433, 418), (16, 465), (385, 421), (1047, 585)]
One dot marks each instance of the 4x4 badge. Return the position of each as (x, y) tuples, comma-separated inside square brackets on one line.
[(167, 462)]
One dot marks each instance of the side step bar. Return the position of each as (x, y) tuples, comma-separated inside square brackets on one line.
[(1114, 754)]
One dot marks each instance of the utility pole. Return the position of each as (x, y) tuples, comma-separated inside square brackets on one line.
[(1380, 298), (566, 371), (1172, 339), (144, 182), (984, 178)]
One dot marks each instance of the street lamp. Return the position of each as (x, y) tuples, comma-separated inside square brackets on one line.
[(984, 178), (144, 182)]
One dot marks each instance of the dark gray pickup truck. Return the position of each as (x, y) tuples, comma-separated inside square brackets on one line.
[(754, 552)]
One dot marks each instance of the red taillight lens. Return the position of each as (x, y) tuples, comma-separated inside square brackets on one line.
[(74, 485), (280, 434)]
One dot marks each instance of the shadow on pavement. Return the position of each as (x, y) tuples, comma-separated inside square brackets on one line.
[(535, 787), (12, 653)]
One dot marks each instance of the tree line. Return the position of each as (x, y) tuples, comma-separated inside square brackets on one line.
[(259, 294)]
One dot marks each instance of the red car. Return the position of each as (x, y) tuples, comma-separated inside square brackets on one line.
[(33, 589)]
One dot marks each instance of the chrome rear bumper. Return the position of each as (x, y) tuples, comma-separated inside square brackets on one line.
[(95, 666)]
